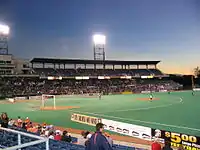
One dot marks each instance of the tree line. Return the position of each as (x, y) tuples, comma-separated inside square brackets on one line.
[(197, 72)]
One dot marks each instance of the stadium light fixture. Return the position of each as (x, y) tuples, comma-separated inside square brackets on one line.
[(99, 39), (4, 29)]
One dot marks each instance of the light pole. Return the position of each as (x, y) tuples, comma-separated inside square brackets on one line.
[(4, 32), (99, 42)]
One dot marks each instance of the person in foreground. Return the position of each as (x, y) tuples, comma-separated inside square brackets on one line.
[(167, 145), (98, 141)]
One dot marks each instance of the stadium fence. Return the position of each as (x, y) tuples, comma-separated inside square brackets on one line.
[(19, 146)]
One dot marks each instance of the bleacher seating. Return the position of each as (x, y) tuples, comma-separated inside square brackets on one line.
[(97, 72), (155, 71), (45, 71), (8, 139)]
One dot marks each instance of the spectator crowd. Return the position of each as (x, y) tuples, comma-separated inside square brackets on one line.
[(99, 140), (25, 86), (49, 131)]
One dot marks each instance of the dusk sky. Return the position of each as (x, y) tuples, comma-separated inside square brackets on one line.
[(166, 30)]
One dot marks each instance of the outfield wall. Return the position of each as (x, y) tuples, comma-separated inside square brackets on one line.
[(189, 142)]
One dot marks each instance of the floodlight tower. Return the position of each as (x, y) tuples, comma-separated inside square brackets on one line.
[(99, 42), (4, 32)]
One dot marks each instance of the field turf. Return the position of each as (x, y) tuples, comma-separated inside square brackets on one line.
[(176, 112)]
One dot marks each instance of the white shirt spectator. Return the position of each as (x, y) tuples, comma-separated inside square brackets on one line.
[(51, 137)]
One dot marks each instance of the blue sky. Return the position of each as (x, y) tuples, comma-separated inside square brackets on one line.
[(166, 30)]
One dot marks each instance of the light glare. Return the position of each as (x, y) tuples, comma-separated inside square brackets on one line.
[(99, 39), (4, 29)]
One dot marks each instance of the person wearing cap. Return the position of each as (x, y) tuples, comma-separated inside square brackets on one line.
[(57, 135), (98, 141)]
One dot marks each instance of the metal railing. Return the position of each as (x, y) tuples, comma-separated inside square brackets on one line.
[(20, 145)]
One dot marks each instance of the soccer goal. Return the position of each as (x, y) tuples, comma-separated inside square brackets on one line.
[(48, 101)]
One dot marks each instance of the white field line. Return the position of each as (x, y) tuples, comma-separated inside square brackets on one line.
[(141, 121), (146, 108)]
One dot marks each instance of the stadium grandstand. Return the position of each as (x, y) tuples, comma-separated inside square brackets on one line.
[(41, 67)]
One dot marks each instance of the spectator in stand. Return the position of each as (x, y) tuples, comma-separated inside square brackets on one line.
[(42, 134), (86, 135), (98, 141), (51, 128), (4, 120), (11, 122), (65, 137), (57, 135), (167, 146), (39, 129), (19, 122), (24, 126), (27, 120), (181, 147), (110, 140), (51, 135), (29, 125), (155, 145)]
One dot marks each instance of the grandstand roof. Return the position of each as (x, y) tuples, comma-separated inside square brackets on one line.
[(85, 61)]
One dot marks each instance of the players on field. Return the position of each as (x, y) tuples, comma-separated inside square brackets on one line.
[(192, 93), (151, 97), (99, 96)]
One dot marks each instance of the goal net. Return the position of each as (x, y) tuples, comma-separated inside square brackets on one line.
[(48, 101)]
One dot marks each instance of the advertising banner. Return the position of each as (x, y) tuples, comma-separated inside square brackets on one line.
[(144, 92), (162, 91), (127, 92), (35, 97), (92, 121), (127, 129), (177, 139), (20, 98)]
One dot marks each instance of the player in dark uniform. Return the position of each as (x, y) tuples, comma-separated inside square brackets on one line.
[(192, 93), (151, 97)]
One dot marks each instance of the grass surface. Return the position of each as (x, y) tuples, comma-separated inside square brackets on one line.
[(177, 111)]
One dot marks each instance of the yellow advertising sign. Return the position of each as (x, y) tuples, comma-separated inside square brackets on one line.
[(92, 121)]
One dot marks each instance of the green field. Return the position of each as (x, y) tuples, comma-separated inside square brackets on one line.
[(177, 111)]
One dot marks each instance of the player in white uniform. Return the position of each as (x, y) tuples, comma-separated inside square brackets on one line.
[(99, 96)]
